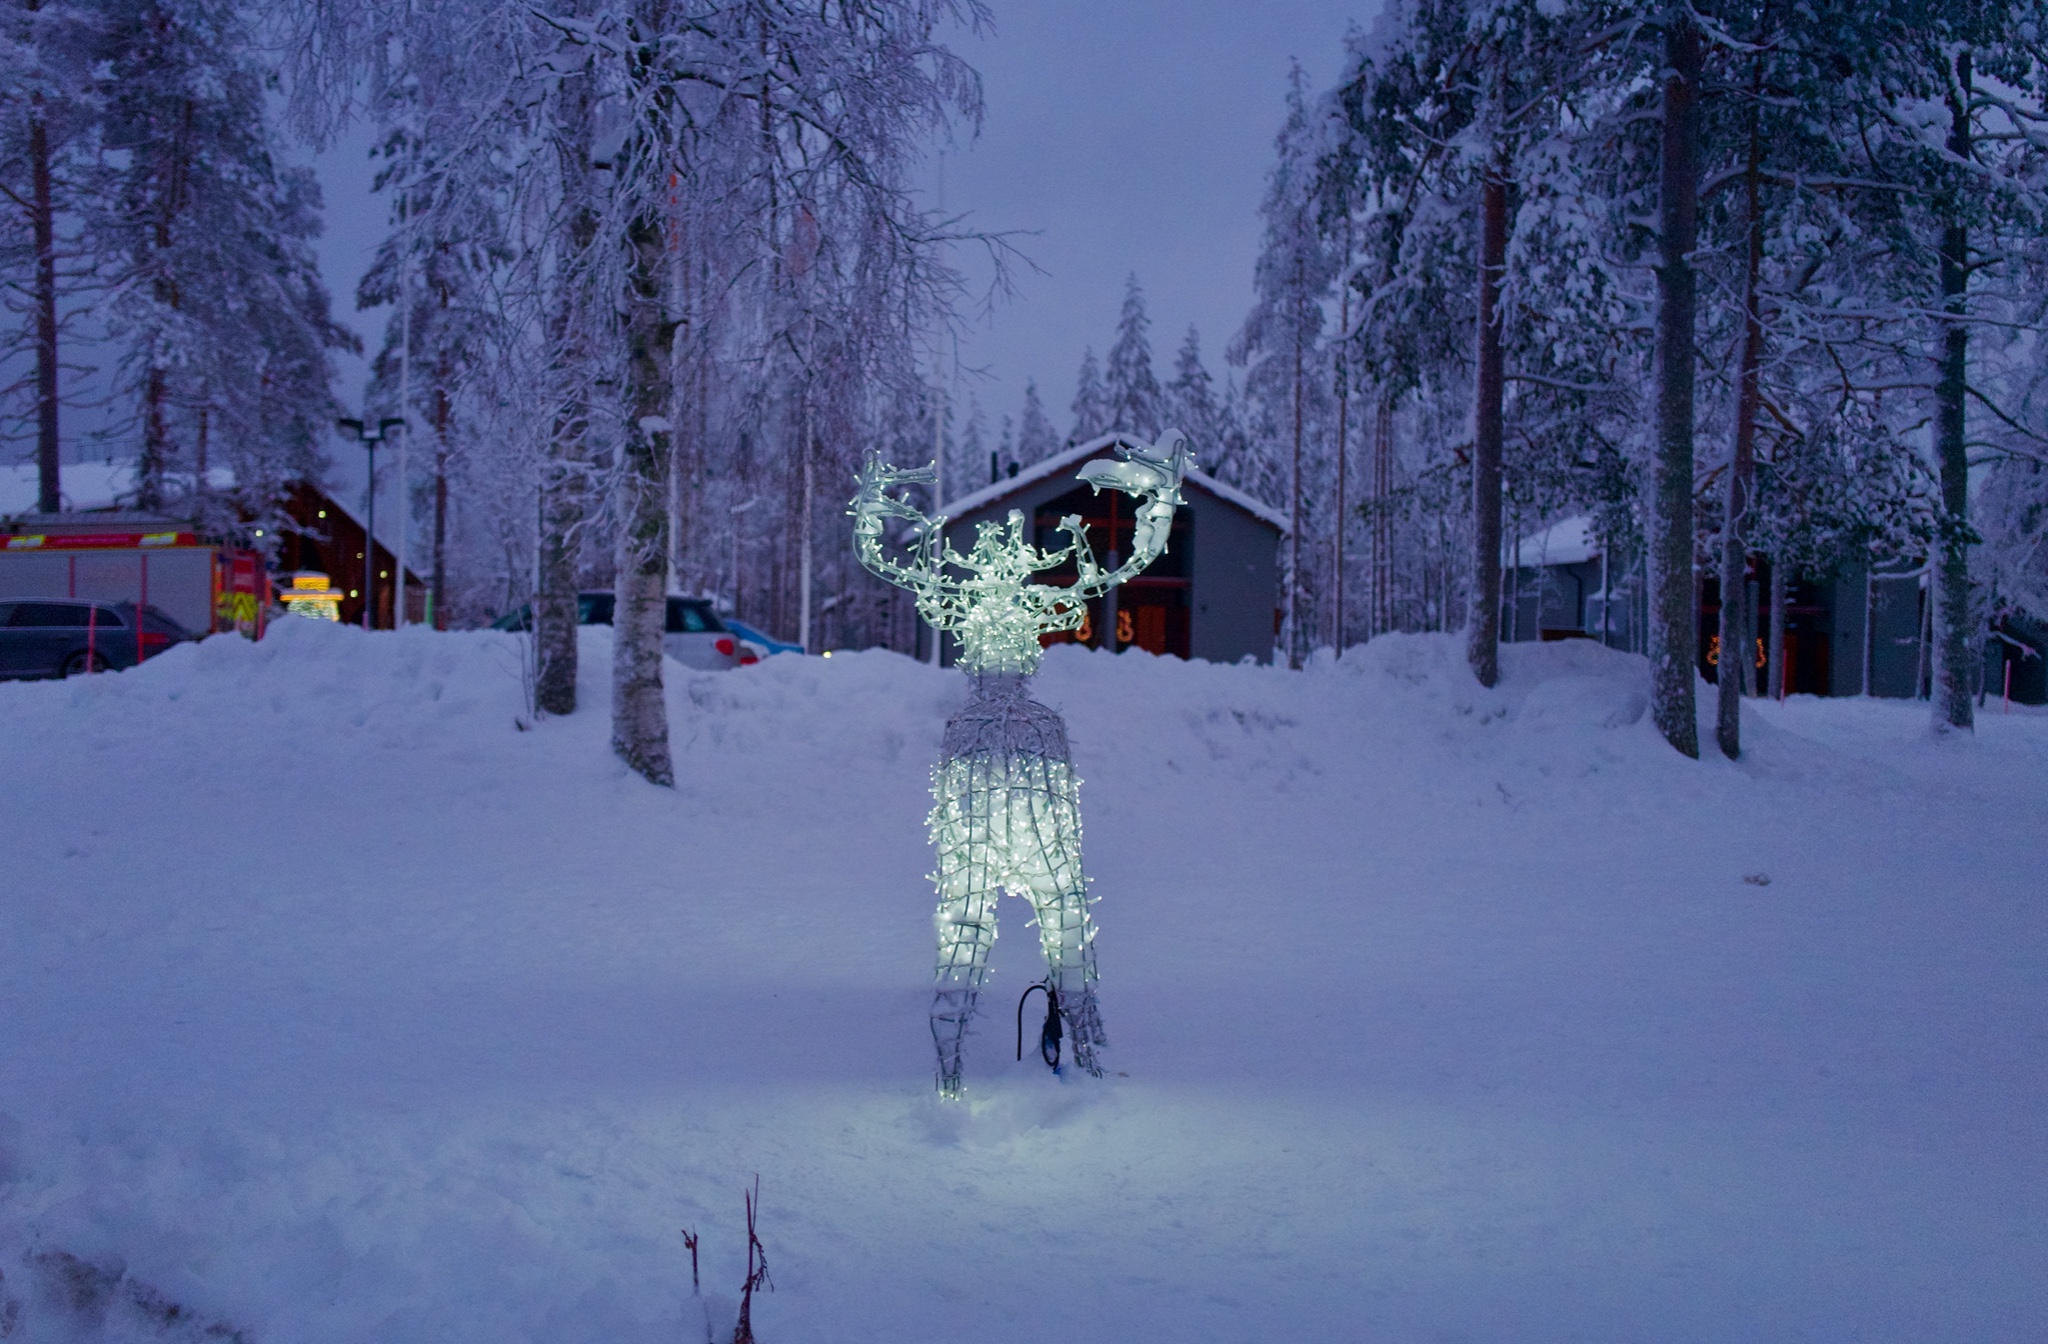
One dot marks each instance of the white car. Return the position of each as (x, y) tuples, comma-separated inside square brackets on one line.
[(695, 636)]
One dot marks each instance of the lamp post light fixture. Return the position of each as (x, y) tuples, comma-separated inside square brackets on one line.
[(371, 436)]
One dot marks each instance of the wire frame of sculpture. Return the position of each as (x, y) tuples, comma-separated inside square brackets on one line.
[(1006, 807)]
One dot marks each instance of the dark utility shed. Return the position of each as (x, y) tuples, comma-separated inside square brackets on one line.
[(1214, 594)]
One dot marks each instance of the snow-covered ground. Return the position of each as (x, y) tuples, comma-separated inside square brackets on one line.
[(335, 1006)]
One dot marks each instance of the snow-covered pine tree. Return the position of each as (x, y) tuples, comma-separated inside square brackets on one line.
[(440, 269), (1135, 403), (1036, 438), (973, 468), (1976, 203), (1407, 224), (50, 97), (1280, 338), (1190, 398), (1091, 407), (207, 238)]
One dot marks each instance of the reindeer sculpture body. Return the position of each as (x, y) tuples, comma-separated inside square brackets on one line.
[(1006, 812)]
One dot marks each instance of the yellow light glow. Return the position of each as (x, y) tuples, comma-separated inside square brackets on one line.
[(310, 596)]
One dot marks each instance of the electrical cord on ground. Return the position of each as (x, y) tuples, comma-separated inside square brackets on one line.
[(1050, 1035)]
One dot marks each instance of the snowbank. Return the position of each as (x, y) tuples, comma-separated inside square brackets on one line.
[(338, 1001)]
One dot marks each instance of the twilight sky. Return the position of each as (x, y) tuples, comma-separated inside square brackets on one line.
[(1133, 136), (1130, 135)]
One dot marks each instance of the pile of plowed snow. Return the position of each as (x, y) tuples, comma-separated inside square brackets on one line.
[(341, 1001)]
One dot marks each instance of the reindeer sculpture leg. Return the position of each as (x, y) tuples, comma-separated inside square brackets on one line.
[(1007, 817), (1065, 933), (966, 918)]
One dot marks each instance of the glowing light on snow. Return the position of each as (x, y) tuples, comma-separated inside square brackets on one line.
[(1006, 805)]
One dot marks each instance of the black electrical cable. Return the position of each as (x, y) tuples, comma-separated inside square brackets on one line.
[(1049, 1035)]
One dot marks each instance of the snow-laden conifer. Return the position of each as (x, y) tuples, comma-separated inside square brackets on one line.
[(1091, 409), (1135, 401), (1036, 438)]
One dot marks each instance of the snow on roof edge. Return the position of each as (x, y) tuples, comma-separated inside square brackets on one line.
[(1568, 541), (1060, 461)]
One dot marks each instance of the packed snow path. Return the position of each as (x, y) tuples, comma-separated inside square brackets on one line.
[(334, 1006)]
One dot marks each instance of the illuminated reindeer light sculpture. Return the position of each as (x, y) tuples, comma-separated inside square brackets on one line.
[(1006, 809)]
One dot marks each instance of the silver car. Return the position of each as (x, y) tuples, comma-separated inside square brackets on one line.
[(695, 636)]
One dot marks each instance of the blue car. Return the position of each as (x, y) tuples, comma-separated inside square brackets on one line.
[(768, 647)]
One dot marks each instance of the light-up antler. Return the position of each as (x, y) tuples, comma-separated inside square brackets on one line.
[(998, 608)]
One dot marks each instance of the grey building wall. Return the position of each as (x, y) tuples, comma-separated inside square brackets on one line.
[(1874, 616), (1554, 597), (1895, 657), (1850, 633), (1234, 581)]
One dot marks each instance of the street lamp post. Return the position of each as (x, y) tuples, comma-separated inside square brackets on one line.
[(371, 436)]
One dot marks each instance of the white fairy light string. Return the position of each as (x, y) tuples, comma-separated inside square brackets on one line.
[(1006, 812)]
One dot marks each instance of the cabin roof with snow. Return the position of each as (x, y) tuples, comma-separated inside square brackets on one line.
[(1569, 541), (1067, 462)]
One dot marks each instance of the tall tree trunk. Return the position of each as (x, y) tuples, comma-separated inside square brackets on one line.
[(1383, 523), (156, 432), (554, 605), (1294, 502), (640, 605), (437, 590), (1953, 624), (1735, 622), (43, 228), (156, 441), (1343, 440), (564, 484), (806, 488), (1674, 594), (1869, 624), (1781, 583), (1483, 642)]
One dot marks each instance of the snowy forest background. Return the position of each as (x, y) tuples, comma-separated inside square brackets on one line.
[(1733, 279)]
